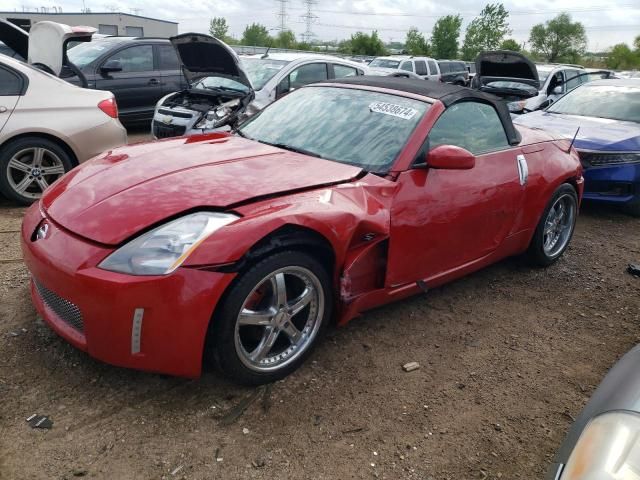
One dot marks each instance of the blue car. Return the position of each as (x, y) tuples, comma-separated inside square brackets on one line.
[(608, 115)]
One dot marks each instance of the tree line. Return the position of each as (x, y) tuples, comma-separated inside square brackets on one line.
[(558, 40)]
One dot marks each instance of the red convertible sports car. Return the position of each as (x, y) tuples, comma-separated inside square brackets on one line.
[(236, 250)]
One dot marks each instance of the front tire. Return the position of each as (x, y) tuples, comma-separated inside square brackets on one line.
[(29, 165), (271, 318), (556, 227)]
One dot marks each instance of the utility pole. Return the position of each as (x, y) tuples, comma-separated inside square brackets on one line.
[(282, 15), (309, 19)]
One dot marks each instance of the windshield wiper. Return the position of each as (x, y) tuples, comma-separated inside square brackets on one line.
[(291, 148)]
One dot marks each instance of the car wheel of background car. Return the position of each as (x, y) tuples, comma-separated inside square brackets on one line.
[(556, 226), (271, 318), (29, 165)]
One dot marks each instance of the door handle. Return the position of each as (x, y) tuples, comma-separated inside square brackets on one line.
[(523, 169), (154, 81), (3, 109)]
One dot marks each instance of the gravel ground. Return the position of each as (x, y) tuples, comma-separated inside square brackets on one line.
[(508, 356)]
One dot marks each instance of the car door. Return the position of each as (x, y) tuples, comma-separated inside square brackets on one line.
[(11, 88), (343, 71), (136, 85), (407, 66), (168, 65), (434, 71), (301, 76), (442, 220)]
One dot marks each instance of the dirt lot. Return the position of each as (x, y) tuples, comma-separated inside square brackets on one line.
[(508, 355)]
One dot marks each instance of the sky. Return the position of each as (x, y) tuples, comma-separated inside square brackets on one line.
[(607, 22)]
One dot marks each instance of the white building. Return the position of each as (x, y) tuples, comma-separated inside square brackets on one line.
[(110, 23)]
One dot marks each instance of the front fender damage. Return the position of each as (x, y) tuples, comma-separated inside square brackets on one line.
[(353, 218)]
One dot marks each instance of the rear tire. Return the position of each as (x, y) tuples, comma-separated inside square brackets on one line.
[(271, 318), (29, 165), (555, 229)]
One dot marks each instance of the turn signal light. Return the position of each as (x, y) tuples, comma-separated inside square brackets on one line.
[(110, 107)]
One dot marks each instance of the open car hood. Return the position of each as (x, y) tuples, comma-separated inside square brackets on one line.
[(14, 37), (506, 74), (48, 44), (204, 56)]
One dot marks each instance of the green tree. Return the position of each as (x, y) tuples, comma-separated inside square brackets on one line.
[(415, 44), (363, 44), (510, 44), (285, 39), (559, 39), (256, 35), (622, 57), (218, 28), (636, 44), (444, 38), (486, 31)]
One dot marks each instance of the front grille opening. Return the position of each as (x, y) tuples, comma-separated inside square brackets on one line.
[(160, 130), (64, 309)]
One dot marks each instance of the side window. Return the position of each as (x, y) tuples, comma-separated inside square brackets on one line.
[(167, 58), (10, 83), (421, 67), (483, 131), (135, 59), (341, 71), (407, 65), (306, 74), (444, 68), (573, 80), (432, 67)]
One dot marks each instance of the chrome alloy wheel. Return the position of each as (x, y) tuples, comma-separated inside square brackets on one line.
[(31, 170), (558, 226), (279, 319)]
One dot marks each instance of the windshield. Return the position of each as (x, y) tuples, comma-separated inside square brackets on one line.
[(83, 54), (260, 70), (358, 127), (385, 63), (543, 73), (601, 101)]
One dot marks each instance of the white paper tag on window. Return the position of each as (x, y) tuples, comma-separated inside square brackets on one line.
[(394, 110)]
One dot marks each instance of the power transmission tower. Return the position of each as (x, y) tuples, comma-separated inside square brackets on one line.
[(309, 19), (282, 15)]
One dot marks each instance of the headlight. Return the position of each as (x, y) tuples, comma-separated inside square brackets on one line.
[(608, 449), (162, 250)]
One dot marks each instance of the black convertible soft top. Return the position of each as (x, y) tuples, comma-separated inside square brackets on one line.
[(446, 93)]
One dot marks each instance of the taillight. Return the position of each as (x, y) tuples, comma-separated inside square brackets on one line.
[(110, 107)]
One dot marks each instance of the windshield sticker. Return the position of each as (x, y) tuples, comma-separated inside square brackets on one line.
[(394, 110)]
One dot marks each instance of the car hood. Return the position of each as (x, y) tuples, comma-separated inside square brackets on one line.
[(138, 186), (595, 133), (204, 56), (15, 38), (506, 73)]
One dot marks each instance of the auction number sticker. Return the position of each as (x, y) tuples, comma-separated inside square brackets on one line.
[(394, 110)]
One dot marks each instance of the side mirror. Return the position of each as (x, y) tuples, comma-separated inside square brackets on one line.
[(557, 90), (283, 87), (450, 157), (111, 66)]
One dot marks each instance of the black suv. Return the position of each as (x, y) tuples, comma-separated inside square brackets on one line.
[(453, 71), (139, 72)]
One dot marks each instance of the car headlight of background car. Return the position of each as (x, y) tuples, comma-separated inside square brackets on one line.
[(163, 249), (518, 106), (608, 449)]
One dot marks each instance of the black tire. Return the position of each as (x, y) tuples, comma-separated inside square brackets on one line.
[(536, 254), (633, 208), (12, 148), (221, 349)]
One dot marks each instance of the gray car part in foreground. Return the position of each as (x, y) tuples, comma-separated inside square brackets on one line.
[(618, 392)]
